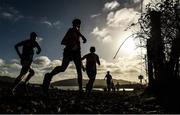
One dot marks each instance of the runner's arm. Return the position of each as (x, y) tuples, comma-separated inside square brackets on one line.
[(83, 38), (38, 49), (17, 48), (83, 57), (97, 60)]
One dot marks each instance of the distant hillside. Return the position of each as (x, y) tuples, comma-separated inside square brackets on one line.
[(98, 82), (6, 79)]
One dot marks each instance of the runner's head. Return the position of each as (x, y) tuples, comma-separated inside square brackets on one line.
[(76, 23), (33, 36), (92, 49)]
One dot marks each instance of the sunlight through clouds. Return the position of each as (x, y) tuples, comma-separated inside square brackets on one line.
[(122, 17), (105, 25)]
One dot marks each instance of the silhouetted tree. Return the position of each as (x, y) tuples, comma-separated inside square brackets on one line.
[(161, 31), (160, 25)]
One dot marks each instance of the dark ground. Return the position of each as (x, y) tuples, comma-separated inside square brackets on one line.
[(61, 101)]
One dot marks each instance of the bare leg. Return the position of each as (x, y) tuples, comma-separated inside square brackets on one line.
[(91, 81), (24, 70), (56, 70), (79, 72), (31, 73), (109, 87), (88, 85)]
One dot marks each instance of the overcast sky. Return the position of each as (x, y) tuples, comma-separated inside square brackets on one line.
[(104, 24)]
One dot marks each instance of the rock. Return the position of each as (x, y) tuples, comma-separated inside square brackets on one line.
[(9, 111), (152, 112), (59, 109), (19, 108), (27, 111), (72, 102)]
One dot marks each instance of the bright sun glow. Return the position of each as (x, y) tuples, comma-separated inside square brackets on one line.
[(126, 43), (129, 46)]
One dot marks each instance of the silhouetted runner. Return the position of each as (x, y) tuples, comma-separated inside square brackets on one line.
[(26, 58), (112, 86), (72, 52), (108, 78), (117, 86), (91, 70)]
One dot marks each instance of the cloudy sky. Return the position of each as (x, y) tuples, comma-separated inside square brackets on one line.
[(104, 23)]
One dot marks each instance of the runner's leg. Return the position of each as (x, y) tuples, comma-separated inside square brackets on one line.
[(24, 70), (77, 62), (56, 70)]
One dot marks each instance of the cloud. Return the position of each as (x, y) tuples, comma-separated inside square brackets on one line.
[(107, 66), (137, 1), (132, 70), (7, 15), (10, 13), (111, 5), (114, 31), (15, 66), (107, 38), (117, 71), (55, 63), (1, 62), (116, 23), (95, 15), (102, 34), (145, 2), (47, 23), (42, 60), (123, 68), (122, 17), (15, 61), (51, 24), (9, 69), (56, 23)]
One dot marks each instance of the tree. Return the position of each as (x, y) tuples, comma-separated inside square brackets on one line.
[(161, 31)]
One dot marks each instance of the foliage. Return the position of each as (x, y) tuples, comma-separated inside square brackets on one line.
[(169, 23)]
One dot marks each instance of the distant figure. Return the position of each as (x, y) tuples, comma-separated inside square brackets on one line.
[(124, 91), (112, 86), (146, 83), (105, 89), (108, 78), (140, 77), (72, 52), (117, 86), (91, 70), (26, 58)]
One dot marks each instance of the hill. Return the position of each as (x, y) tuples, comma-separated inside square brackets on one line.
[(6, 79), (98, 82)]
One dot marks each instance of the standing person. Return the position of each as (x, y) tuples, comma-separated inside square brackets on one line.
[(26, 58), (91, 69), (72, 52), (117, 86), (112, 86), (108, 78)]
